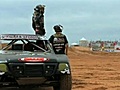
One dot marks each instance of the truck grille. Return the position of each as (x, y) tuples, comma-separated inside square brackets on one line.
[(34, 70)]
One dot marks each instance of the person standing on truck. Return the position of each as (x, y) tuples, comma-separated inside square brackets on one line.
[(59, 41), (38, 20)]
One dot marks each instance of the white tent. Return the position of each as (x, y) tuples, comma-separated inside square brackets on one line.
[(84, 42), (83, 39), (74, 44)]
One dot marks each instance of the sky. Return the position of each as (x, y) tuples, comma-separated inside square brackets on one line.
[(91, 19)]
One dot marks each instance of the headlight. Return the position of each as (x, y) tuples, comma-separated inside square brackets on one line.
[(3, 68), (64, 68)]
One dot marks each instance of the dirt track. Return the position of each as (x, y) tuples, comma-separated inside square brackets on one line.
[(94, 70)]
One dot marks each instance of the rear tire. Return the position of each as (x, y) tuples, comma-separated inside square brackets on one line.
[(65, 83)]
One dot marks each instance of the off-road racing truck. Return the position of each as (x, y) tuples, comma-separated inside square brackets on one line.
[(29, 60)]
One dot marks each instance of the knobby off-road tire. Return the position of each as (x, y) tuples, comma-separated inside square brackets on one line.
[(65, 83)]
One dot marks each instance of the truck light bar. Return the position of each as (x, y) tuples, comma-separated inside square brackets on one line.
[(18, 36)]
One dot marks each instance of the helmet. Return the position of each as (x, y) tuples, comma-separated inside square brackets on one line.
[(39, 8), (58, 28)]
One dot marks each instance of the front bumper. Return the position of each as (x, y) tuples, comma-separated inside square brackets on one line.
[(33, 73)]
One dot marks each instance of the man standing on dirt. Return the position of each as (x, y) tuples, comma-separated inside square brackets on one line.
[(59, 41)]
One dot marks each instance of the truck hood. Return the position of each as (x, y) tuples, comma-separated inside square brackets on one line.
[(13, 56)]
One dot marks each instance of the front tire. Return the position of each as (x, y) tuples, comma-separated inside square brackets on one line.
[(65, 83)]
